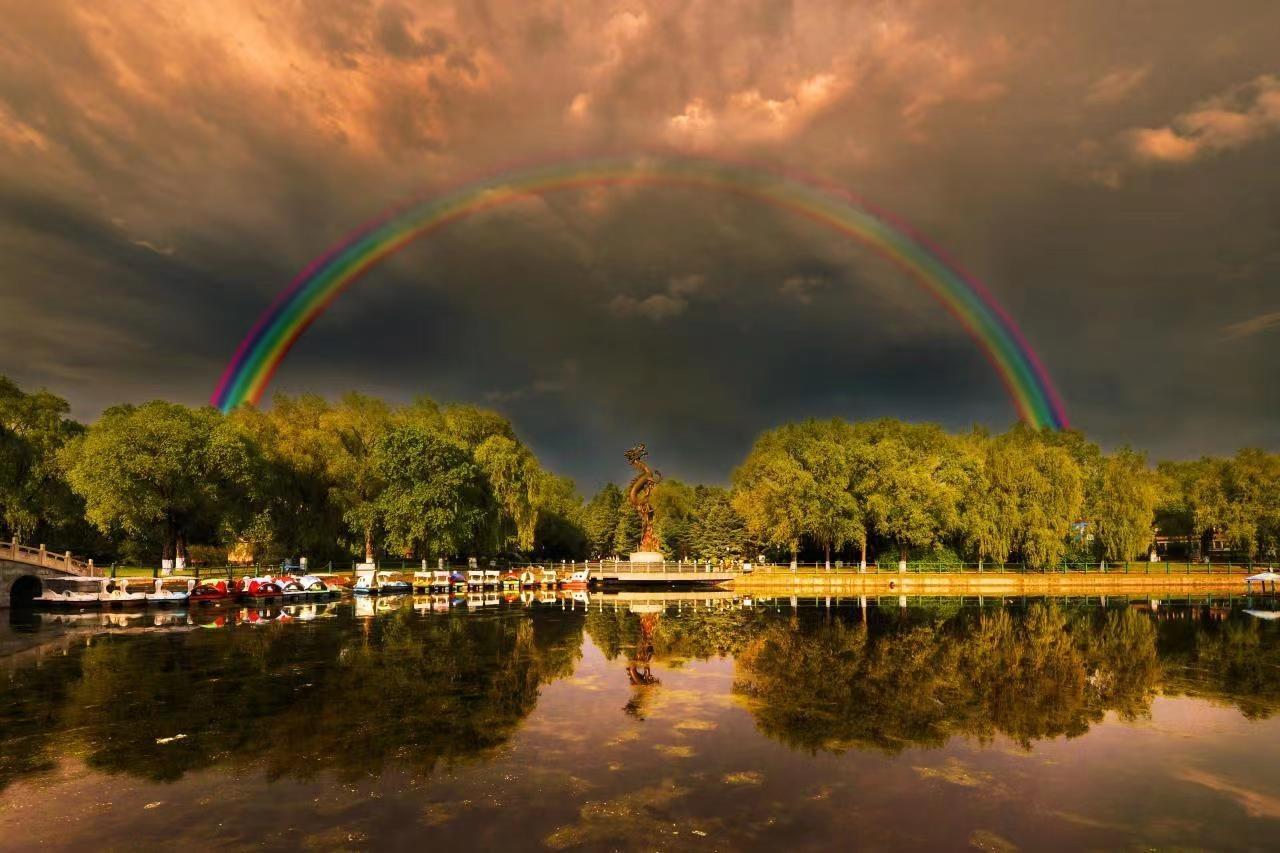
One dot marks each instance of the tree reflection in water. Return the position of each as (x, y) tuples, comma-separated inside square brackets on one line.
[(346, 699), (352, 697)]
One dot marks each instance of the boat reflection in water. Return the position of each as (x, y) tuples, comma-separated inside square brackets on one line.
[(615, 720)]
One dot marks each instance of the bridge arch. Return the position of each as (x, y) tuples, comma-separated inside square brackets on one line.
[(24, 590)]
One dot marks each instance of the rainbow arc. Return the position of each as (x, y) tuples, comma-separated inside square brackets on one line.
[(298, 306)]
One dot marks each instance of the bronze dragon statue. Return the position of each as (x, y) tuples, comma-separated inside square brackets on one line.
[(640, 495)]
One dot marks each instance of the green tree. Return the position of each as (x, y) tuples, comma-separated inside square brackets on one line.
[(674, 505), (292, 513), (1025, 492), (434, 498), (602, 515), (355, 426), (797, 482), (516, 481), (35, 497), (916, 480), (1125, 506), (162, 469), (719, 531)]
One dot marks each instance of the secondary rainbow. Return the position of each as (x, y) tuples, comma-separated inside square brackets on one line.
[(314, 289)]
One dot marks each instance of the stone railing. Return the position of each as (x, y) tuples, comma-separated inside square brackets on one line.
[(45, 559)]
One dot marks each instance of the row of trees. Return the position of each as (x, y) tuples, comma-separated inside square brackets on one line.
[(306, 477), (362, 477), (1038, 497)]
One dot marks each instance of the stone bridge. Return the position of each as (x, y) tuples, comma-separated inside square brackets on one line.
[(24, 569)]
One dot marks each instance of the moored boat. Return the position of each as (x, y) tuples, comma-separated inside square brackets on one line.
[(211, 593), (381, 583), (528, 579), (511, 581), (171, 591), (580, 579), (71, 593), (492, 578), (115, 592), (475, 579), (259, 590), (549, 579), (305, 588)]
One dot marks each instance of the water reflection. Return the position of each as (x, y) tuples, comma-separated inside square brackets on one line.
[(354, 690)]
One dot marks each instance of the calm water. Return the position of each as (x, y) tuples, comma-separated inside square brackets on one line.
[(707, 725)]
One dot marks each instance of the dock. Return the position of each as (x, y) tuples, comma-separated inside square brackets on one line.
[(671, 573)]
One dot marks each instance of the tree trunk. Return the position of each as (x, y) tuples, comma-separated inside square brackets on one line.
[(170, 545), (862, 562), (826, 547), (902, 558), (794, 548), (368, 544)]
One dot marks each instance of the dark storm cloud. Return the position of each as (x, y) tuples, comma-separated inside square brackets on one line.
[(165, 167)]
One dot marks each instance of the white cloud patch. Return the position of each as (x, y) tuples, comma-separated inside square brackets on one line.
[(1252, 326), (657, 307), (803, 288), (1117, 85), (1231, 120)]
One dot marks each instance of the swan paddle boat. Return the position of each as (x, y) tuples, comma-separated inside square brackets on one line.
[(381, 583), (115, 592), (76, 593), (171, 591)]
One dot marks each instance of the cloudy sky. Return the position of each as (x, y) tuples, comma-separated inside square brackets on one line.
[(1110, 169)]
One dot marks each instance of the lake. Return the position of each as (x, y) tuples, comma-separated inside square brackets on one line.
[(633, 722)]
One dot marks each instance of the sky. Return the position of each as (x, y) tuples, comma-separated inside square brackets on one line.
[(1107, 169)]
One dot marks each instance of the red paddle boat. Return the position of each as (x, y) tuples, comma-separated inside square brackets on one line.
[(211, 593)]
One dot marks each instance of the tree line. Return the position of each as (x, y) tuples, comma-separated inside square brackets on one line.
[(361, 478)]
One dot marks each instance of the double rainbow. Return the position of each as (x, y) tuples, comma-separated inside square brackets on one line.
[(310, 293)]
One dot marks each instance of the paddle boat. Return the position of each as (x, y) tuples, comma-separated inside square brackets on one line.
[(549, 579), (475, 579), (580, 579), (171, 591), (1262, 579), (492, 578), (457, 582), (115, 592), (511, 581), (211, 593), (528, 579), (77, 593), (305, 588), (381, 583), (259, 590)]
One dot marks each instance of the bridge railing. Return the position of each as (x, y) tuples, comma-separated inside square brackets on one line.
[(45, 558)]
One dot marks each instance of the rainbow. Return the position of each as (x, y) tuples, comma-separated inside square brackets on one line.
[(298, 306)]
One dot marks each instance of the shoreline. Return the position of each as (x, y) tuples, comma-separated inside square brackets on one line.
[(985, 582)]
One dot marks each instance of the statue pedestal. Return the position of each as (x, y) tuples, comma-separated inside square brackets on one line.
[(646, 557)]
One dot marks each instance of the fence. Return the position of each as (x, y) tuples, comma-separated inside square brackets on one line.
[(44, 558), (1142, 567)]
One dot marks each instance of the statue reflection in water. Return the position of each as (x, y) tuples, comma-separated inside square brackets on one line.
[(639, 671)]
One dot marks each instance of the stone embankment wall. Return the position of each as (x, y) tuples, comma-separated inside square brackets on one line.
[(986, 583)]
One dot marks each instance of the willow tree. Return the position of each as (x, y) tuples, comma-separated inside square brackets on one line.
[(355, 426), (795, 482), (1124, 510), (1238, 499), (916, 477), (516, 480)]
